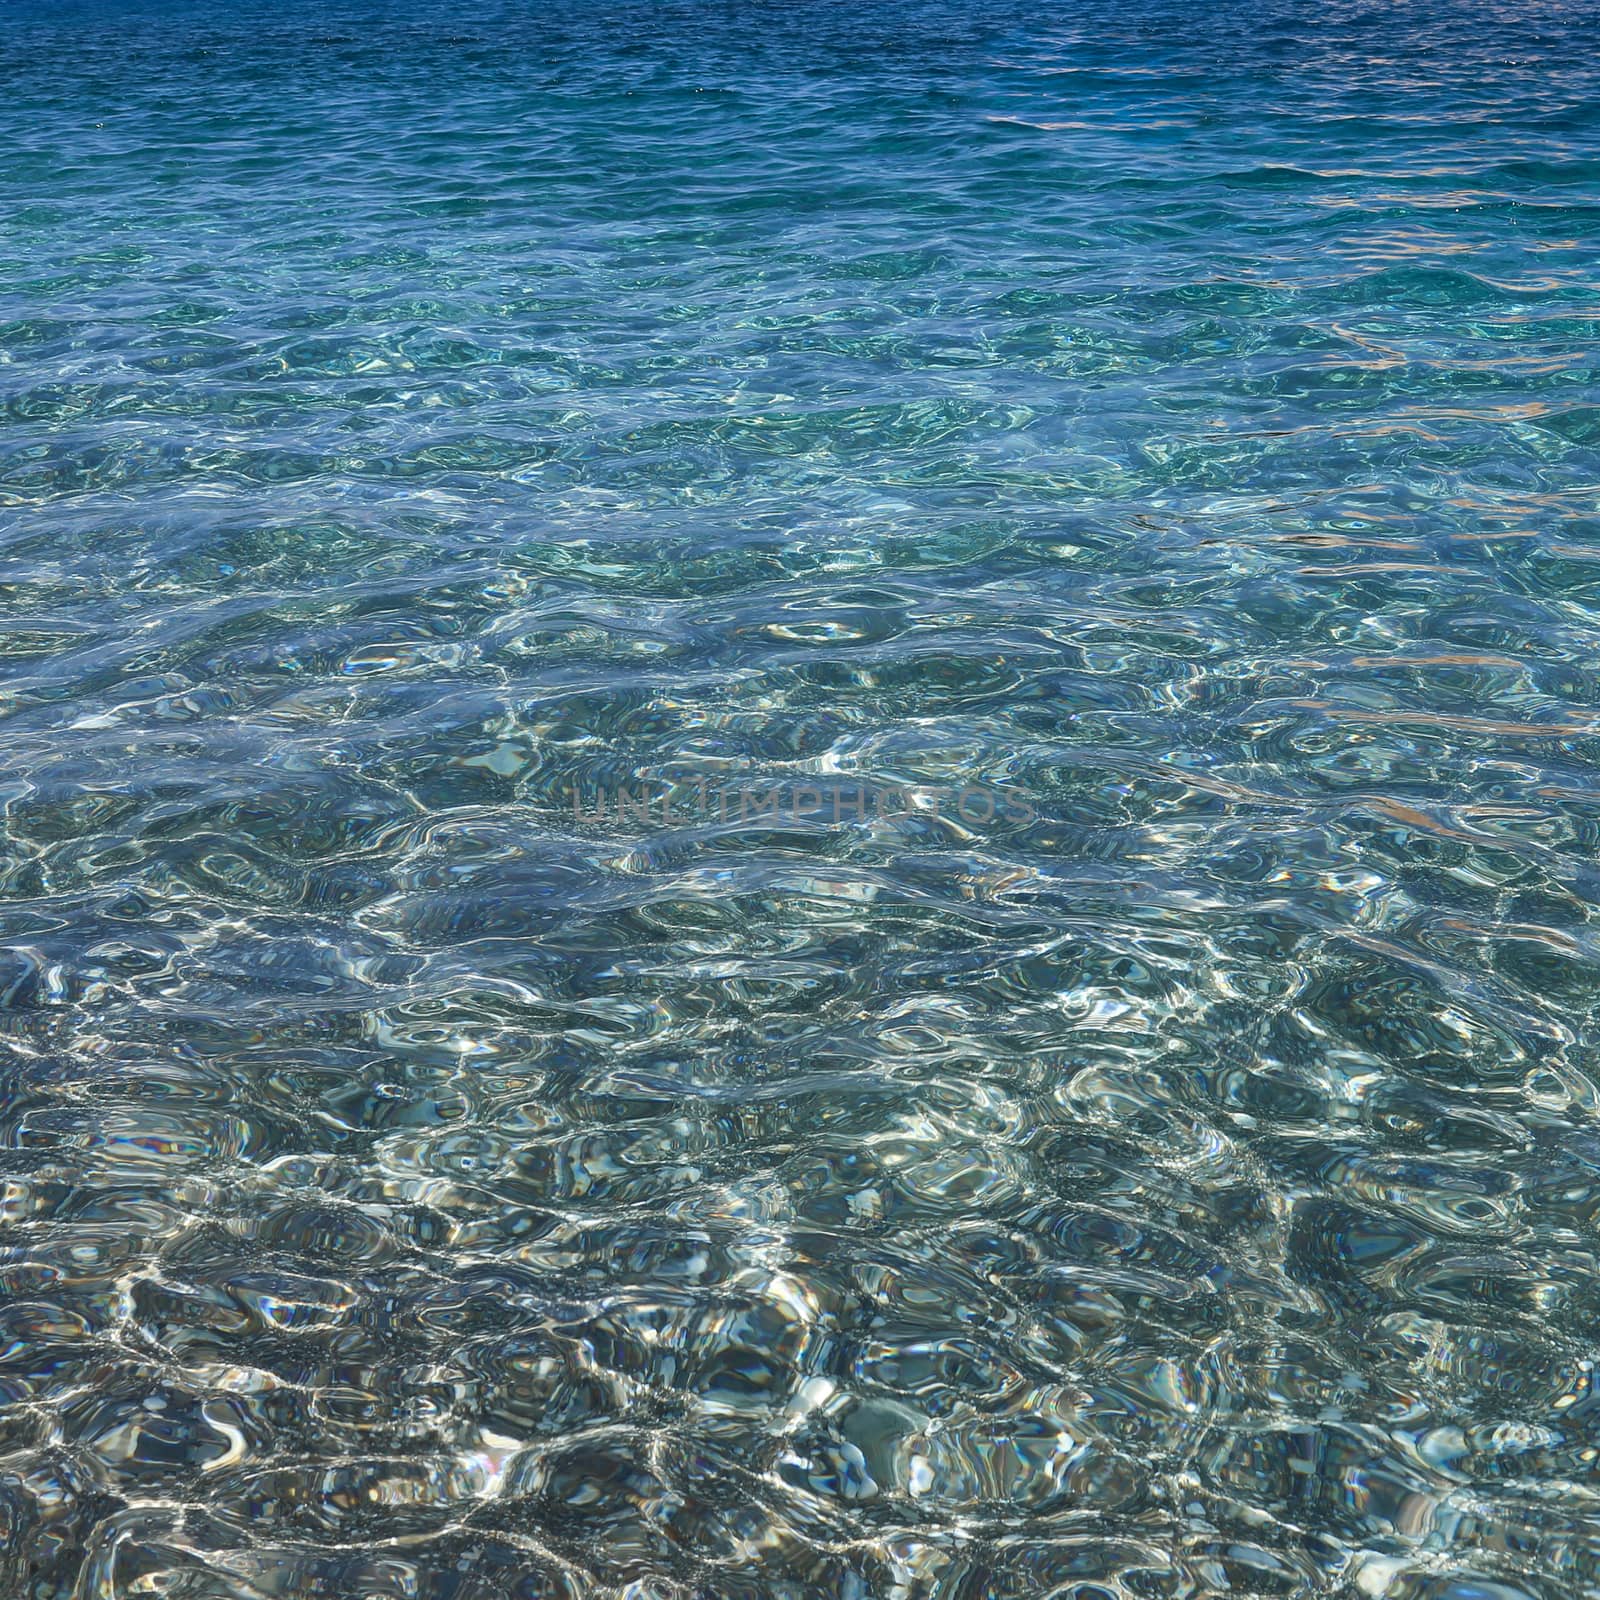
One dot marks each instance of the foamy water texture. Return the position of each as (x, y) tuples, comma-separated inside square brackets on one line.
[(423, 1177)]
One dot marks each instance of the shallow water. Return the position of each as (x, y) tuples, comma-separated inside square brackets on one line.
[(799, 801)]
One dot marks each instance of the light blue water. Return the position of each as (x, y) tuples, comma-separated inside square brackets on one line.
[(799, 800)]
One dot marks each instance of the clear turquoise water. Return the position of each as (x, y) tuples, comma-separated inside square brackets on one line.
[(1074, 533)]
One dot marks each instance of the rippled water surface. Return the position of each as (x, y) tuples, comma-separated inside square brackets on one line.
[(799, 801)]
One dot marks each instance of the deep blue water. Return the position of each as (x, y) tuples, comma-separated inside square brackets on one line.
[(799, 801)]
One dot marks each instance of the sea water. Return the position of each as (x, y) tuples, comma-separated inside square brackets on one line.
[(799, 800)]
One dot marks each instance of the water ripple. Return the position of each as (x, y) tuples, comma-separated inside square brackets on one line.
[(799, 802)]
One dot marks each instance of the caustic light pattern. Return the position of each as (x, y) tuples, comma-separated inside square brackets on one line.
[(420, 1180)]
